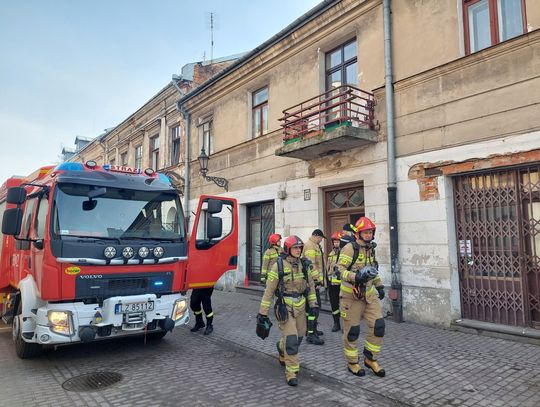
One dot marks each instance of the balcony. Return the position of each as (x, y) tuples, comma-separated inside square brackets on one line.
[(338, 120)]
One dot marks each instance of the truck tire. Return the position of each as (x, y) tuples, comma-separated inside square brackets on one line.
[(23, 349)]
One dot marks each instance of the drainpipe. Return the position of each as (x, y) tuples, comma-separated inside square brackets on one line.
[(187, 119), (396, 292)]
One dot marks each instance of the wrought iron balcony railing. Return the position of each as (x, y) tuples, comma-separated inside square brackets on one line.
[(344, 105)]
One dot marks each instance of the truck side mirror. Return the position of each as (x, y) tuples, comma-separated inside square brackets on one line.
[(214, 227), (12, 221), (16, 195), (214, 206)]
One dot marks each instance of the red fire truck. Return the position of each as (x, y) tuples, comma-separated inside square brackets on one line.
[(93, 252)]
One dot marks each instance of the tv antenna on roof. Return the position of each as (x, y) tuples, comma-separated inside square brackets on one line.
[(211, 19)]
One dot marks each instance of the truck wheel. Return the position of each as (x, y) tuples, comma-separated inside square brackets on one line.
[(23, 349), (156, 336)]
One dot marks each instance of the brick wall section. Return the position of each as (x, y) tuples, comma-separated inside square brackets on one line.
[(427, 174), (201, 73)]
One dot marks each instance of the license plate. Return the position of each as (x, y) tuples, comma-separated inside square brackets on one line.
[(134, 307)]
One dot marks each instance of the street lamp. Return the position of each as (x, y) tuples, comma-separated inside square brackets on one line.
[(203, 164)]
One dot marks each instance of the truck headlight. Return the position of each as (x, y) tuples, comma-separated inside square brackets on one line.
[(179, 309), (60, 322)]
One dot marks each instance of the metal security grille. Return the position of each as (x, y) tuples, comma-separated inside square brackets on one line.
[(529, 186), (260, 226), (498, 233)]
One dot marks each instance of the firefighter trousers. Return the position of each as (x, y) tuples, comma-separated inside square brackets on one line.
[(353, 311), (202, 296), (293, 331), (311, 321), (333, 293)]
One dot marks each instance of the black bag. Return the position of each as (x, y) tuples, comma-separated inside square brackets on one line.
[(263, 328)]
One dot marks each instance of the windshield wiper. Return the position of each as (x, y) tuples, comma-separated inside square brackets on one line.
[(94, 238), (160, 239)]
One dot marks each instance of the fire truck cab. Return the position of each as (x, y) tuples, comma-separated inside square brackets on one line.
[(94, 252)]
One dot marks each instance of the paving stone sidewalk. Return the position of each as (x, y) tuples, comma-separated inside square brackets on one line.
[(425, 366)]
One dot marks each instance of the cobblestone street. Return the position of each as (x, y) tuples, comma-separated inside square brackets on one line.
[(184, 369), (425, 367)]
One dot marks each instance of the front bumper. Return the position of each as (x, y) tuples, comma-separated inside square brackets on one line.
[(105, 322)]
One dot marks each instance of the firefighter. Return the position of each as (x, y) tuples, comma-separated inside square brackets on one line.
[(290, 280), (314, 254), (270, 255), (347, 230), (333, 281), (360, 295), (202, 296)]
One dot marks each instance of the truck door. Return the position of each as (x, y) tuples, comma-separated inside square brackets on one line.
[(213, 244)]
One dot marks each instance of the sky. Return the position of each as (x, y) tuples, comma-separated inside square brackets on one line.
[(74, 68)]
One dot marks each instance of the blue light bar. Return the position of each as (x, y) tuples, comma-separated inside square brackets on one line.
[(164, 178), (69, 167), (158, 283)]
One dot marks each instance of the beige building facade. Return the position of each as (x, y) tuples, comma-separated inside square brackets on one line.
[(467, 92), (299, 129)]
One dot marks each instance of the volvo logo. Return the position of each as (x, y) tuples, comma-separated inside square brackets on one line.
[(91, 276)]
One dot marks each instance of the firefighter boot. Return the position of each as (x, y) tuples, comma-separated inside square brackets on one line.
[(312, 336), (356, 369), (337, 325), (293, 381), (199, 324), (209, 327), (281, 355), (375, 367)]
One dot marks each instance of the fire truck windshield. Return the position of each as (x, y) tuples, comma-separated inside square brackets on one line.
[(98, 212)]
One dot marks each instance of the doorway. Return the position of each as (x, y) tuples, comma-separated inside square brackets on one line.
[(261, 224)]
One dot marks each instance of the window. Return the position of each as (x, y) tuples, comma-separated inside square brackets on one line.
[(341, 66), (488, 22), (154, 152), (259, 113), (341, 69), (41, 217), (124, 159), (175, 145), (206, 137), (138, 156), (27, 218)]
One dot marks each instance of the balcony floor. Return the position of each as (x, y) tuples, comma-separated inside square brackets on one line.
[(327, 142)]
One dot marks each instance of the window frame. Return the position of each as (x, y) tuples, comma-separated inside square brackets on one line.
[(208, 147), (494, 29), (175, 136), (258, 110), (138, 157), (154, 152), (342, 66), (122, 156)]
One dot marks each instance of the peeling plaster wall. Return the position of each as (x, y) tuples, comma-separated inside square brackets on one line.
[(428, 254)]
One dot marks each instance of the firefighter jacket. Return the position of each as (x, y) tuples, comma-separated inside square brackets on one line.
[(330, 271), (366, 257), (269, 258), (313, 252), (297, 286)]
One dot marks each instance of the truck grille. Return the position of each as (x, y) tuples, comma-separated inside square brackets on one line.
[(128, 283), (103, 286)]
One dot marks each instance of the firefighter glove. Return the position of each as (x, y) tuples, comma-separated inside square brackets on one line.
[(380, 289), (365, 274), (337, 273)]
